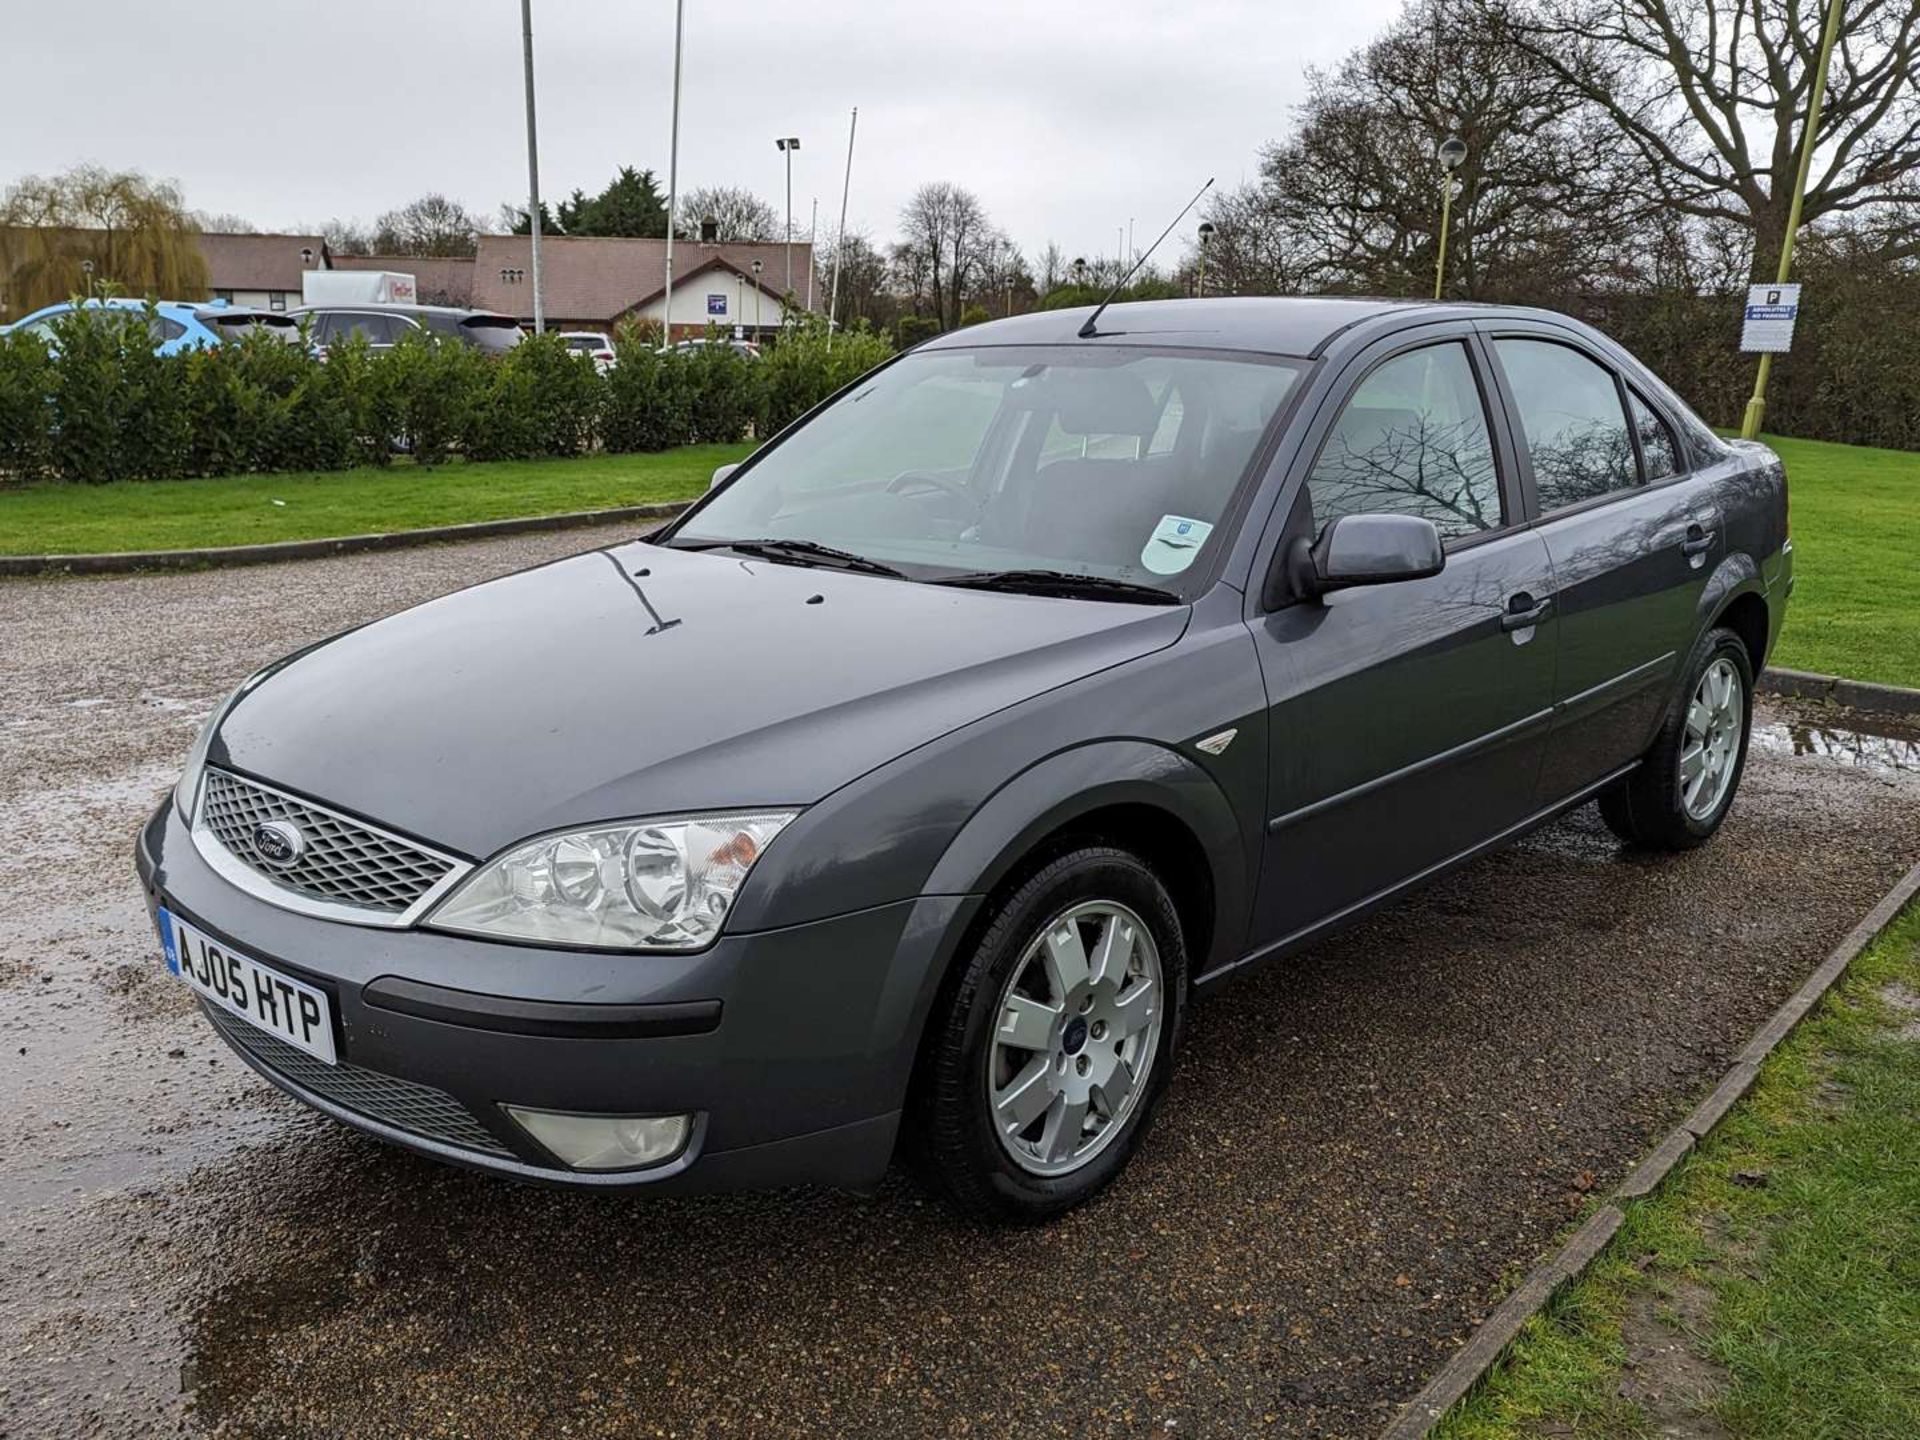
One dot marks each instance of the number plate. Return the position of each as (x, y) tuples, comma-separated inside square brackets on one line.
[(286, 1008)]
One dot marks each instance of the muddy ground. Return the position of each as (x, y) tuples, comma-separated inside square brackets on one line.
[(1358, 1147)]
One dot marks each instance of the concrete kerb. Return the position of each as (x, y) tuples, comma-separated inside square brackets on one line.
[(1838, 690), (131, 561), (1483, 1349)]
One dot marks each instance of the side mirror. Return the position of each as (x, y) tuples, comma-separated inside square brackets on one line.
[(1366, 550), (721, 474)]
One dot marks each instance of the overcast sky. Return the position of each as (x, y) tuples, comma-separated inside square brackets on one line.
[(1066, 117)]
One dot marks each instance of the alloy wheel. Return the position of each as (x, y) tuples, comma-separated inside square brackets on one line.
[(1716, 719), (1075, 1034)]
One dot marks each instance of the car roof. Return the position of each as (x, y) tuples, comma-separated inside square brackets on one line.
[(1295, 325), (111, 302)]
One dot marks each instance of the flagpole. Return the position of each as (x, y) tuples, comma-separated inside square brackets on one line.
[(673, 171), (840, 245)]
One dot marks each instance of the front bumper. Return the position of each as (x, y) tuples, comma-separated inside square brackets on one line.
[(791, 1048)]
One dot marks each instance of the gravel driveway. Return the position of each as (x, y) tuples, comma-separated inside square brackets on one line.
[(1358, 1147)]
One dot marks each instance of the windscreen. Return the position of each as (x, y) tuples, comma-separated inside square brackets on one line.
[(234, 327), (1116, 462)]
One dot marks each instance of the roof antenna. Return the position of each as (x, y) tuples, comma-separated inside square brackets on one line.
[(1088, 330)]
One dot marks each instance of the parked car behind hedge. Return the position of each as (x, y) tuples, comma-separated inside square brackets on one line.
[(171, 325)]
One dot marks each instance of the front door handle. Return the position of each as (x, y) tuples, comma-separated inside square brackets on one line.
[(1524, 612), (1698, 541)]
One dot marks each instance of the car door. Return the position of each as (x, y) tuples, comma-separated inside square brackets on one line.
[(1407, 719), (1632, 538)]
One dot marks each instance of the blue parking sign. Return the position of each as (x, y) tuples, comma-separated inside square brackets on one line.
[(716, 302)]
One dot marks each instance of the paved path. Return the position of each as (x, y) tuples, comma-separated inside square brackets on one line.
[(1357, 1146)]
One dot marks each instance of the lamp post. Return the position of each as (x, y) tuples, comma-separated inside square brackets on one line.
[(533, 166), (1757, 406), (757, 293), (86, 269), (1206, 238), (1080, 270), (1453, 150), (739, 307), (787, 146)]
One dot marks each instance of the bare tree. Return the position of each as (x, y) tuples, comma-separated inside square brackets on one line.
[(224, 223), (1710, 97), (431, 225), (1352, 201), (347, 237), (865, 290), (739, 216), (944, 235)]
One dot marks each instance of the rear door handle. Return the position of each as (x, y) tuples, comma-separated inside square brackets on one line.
[(1523, 612)]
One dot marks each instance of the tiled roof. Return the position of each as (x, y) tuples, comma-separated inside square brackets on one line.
[(258, 262), (601, 279)]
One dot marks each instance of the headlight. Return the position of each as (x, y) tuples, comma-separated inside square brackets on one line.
[(186, 794), (652, 884)]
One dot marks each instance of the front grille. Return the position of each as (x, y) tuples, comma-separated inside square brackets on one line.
[(345, 861), (417, 1109)]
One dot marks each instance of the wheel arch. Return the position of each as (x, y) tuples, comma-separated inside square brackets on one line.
[(1143, 797), (1735, 598)]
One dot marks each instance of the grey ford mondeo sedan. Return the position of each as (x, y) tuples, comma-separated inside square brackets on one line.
[(901, 794)]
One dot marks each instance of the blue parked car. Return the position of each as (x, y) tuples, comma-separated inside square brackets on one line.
[(174, 324)]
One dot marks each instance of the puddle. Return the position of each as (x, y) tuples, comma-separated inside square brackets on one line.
[(1889, 750)]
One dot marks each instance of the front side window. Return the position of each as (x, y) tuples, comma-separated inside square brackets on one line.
[(1657, 447), (1570, 412), (1412, 440), (1117, 463)]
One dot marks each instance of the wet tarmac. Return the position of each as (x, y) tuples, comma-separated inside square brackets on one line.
[(1358, 1148)]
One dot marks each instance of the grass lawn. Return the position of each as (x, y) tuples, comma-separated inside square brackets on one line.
[(1856, 559), (254, 509), (1856, 519), (1773, 1283)]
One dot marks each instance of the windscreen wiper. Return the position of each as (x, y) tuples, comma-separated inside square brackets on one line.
[(799, 552), (1061, 582)]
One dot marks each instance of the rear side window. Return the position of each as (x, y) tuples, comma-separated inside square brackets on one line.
[(1570, 413), (1657, 447), (492, 332), (1413, 440)]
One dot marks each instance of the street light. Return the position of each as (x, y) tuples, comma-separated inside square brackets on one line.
[(787, 146), (757, 292), (86, 269), (1206, 238), (1453, 150)]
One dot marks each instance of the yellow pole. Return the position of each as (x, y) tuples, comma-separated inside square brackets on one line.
[(1446, 224), (1757, 406)]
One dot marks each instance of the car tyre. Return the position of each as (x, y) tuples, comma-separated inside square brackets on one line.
[(973, 1060), (1685, 784)]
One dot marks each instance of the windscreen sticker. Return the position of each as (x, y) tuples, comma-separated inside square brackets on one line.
[(1174, 543)]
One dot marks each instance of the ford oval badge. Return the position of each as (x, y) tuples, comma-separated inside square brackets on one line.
[(279, 842)]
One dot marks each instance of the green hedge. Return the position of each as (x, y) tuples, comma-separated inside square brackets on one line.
[(107, 408)]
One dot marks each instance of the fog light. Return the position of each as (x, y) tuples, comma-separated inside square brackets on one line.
[(606, 1142)]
